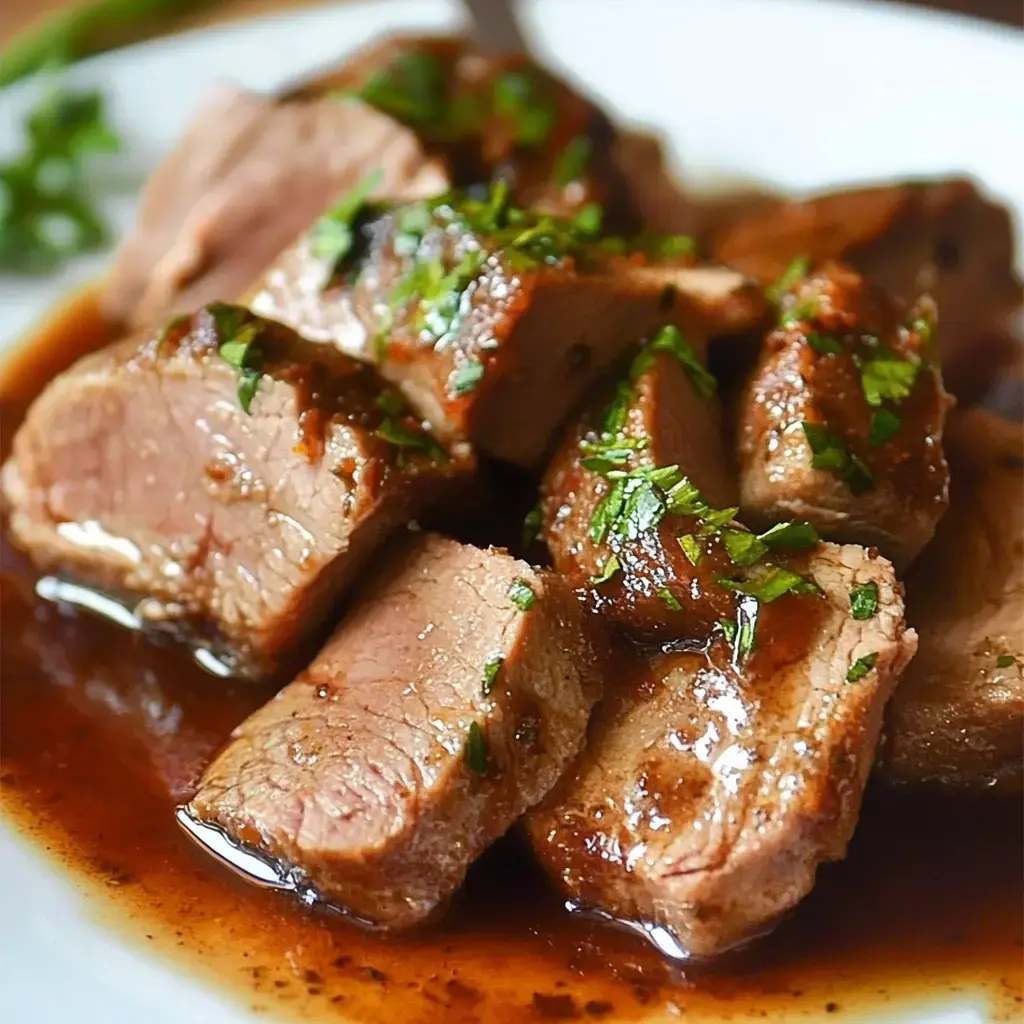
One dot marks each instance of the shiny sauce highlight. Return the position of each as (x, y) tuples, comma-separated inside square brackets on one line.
[(102, 733)]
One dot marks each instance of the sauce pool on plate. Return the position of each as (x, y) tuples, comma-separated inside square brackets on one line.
[(102, 733)]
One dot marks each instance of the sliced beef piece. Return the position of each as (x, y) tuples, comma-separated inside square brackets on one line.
[(842, 421), (447, 703), (492, 320), (941, 236), (957, 718), (227, 476), (492, 116), (661, 412), (710, 790), (248, 175)]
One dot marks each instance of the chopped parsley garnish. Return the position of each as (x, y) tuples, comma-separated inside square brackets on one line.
[(237, 347), (793, 536), (669, 600), (412, 88), (608, 570), (795, 272), (864, 600), (520, 97), (477, 752), (588, 220), (1005, 661), (887, 378), (861, 667), (884, 425), (729, 629), (643, 507), (465, 379), (670, 339), (606, 513), (521, 594), (572, 162), (609, 453), (532, 523), (743, 548), (669, 247), (412, 438), (491, 670), (333, 234), (829, 452), (441, 304), (741, 633), (46, 214), (824, 344), (770, 584), (691, 548)]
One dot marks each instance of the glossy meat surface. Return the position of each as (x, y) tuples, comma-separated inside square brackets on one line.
[(957, 719), (842, 420), (447, 703), (493, 321), (141, 471), (710, 791)]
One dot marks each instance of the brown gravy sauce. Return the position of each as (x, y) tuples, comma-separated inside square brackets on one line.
[(102, 733)]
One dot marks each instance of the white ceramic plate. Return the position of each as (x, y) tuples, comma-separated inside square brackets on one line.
[(797, 94)]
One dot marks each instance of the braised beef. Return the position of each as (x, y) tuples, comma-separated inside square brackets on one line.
[(224, 476), (447, 703)]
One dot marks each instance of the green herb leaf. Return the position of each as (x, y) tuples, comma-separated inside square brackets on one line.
[(770, 584), (829, 452), (412, 438), (670, 339), (642, 509), (824, 344), (743, 548), (669, 600), (887, 378), (884, 425), (532, 524), (729, 629), (237, 347), (795, 536), (607, 512), (608, 454), (477, 751), (864, 600), (669, 247), (861, 667), (333, 234), (589, 219), (465, 379), (491, 670), (572, 162), (691, 548), (685, 500), (1005, 661), (610, 568), (795, 272), (411, 89), (521, 594), (520, 97)]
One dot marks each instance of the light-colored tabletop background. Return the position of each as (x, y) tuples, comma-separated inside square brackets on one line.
[(17, 14)]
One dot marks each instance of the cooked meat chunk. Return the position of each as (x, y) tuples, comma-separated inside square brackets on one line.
[(942, 237), (492, 320), (224, 474), (662, 413), (445, 705), (842, 421), (247, 176), (957, 718), (492, 116), (709, 791)]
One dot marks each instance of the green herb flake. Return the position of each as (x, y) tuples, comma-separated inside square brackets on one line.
[(670, 339), (610, 568), (477, 751), (588, 220), (669, 600), (668, 247), (607, 512), (237, 347), (519, 97), (333, 235), (770, 584), (572, 162), (795, 536), (729, 629), (887, 378), (864, 600), (824, 344), (1005, 661), (685, 500), (884, 425), (828, 452), (521, 594), (643, 508), (795, 272), (743, 548), (861, 667), (532, 524), (609, 454), (491, 670), (691, 548), (464, 380), (411, 438), (412, 89)]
